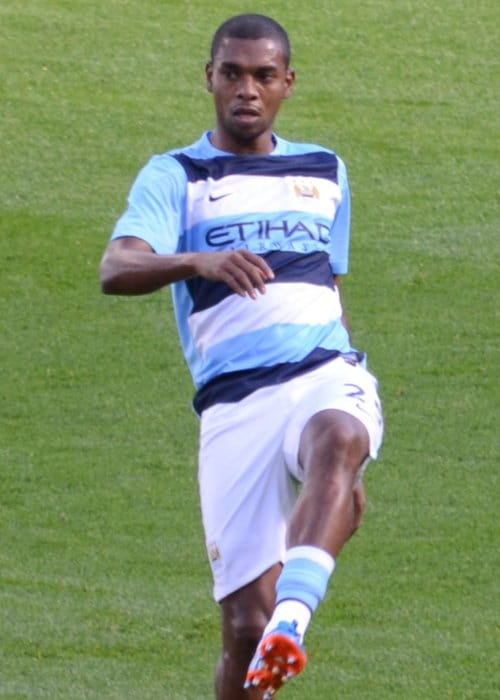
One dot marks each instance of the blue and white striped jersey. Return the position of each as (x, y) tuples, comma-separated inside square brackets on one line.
[(292, 207)]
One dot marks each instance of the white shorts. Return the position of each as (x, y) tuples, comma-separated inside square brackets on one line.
[(249, 471)]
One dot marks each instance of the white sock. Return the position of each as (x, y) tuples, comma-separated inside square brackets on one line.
[(291, 611)]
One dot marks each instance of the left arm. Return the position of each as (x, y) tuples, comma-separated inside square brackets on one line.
[(340, 234), (344, 319)]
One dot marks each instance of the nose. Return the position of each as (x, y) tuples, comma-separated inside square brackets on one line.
[(247, 88)]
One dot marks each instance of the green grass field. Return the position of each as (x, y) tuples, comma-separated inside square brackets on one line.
[(105, 591)]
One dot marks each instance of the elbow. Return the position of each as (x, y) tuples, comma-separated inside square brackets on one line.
[(111, 285), (116, 278), (108, 278), (107, 287)]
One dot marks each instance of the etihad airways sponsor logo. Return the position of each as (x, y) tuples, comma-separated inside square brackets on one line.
[(267, 229)]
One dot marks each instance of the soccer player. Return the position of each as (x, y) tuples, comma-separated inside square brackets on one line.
[(252, 231)]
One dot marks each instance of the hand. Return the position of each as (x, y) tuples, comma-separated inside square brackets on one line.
[(244, 272)]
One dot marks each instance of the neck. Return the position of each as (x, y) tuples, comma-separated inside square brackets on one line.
[(262, 145)]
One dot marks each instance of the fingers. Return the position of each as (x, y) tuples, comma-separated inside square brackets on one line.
[(244, 272), (248, 273)]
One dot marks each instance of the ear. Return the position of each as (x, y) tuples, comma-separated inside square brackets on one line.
[(209, 71), (289, 82)]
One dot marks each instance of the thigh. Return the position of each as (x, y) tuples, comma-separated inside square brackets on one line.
[(246, 491), (341, 386)]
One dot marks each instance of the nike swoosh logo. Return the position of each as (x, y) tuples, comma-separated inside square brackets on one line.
[(220, 196)]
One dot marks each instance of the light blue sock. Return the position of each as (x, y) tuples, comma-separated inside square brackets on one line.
[(301, 586), (305, 576)]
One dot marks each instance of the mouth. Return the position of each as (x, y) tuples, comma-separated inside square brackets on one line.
[(245, 113)]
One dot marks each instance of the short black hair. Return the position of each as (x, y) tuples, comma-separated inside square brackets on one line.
[(251, 26)]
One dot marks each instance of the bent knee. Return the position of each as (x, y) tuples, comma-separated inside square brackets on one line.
[(245, 629), (246, 612), (334, 438)]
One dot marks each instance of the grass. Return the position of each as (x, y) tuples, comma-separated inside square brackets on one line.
[(104, 587)]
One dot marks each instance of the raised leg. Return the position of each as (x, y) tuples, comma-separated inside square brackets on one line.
[(332, 449)]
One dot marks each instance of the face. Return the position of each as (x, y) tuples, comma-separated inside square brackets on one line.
[(249, 80)]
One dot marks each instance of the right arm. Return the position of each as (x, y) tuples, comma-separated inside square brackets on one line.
[(130, 266)]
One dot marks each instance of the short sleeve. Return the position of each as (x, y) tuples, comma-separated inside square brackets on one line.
[(156, 204), (340, 231)]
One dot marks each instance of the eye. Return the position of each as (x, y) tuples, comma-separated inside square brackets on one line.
[(230, 73), (265, 76)]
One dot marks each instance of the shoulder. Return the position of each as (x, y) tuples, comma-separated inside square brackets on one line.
[(162, 171), (167, 164), (297, 148), (285, 147), (294, 148), (162, 165)]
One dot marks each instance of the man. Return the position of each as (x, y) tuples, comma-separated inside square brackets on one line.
[(253, 231)]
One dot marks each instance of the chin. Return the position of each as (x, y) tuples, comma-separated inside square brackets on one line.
[(247, 134)]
